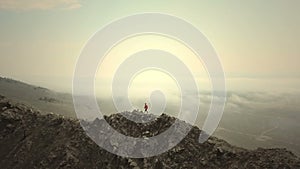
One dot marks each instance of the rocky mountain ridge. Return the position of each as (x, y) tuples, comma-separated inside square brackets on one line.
[(31, 140)]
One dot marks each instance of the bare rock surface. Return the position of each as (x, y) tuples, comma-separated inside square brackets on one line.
[(31, 140)]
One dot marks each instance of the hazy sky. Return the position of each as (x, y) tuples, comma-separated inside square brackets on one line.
[(257, 41)]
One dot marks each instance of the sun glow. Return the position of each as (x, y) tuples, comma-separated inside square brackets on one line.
[(123, 50)]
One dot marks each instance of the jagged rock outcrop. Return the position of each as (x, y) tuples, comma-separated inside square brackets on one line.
[(49, 100), (31, 140)]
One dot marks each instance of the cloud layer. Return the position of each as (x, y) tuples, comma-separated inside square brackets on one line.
[(26, 5)]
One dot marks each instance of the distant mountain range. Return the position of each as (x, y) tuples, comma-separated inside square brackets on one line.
[(41, 98)]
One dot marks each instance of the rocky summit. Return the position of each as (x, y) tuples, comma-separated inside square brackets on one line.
[(31, 140)]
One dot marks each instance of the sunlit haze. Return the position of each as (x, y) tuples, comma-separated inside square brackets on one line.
[(257, 41)]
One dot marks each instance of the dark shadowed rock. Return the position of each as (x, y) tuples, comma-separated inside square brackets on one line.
[(31, 140)]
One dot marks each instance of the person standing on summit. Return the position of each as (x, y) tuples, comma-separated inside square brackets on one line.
[(146, 107)]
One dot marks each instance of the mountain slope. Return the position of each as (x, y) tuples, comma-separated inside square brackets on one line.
[(41, 98), (31, 140)]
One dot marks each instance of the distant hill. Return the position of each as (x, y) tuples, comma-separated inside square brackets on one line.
[(41, 98), (31, 140)]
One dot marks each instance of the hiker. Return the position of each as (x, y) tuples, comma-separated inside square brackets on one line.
[(146, 107)]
